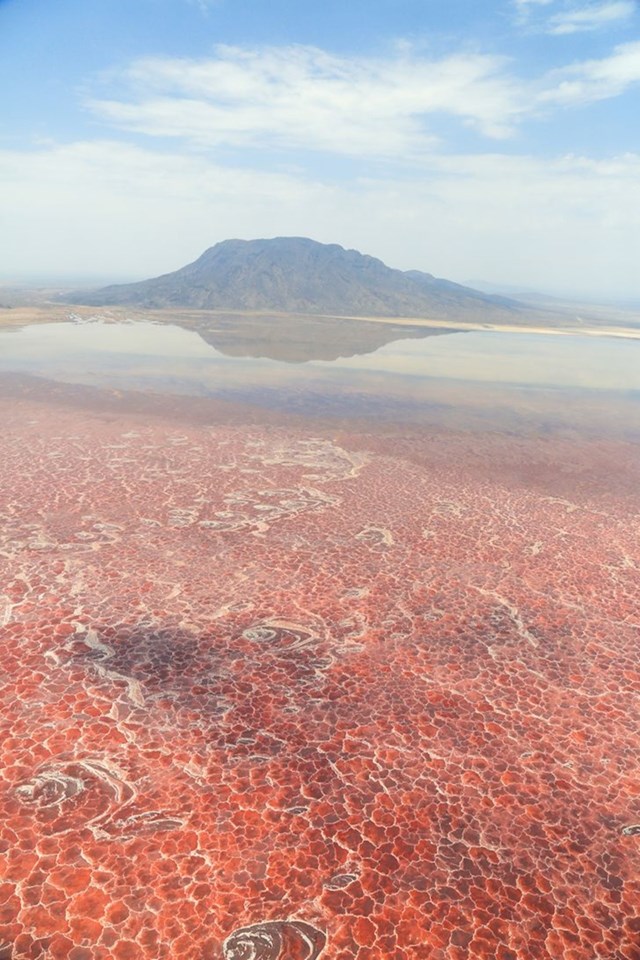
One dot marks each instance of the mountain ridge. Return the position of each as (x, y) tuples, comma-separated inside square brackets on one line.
[(300, 275)]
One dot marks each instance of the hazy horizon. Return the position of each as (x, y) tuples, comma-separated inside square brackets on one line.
[(35, 282)]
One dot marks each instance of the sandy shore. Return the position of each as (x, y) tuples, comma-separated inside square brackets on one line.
[(568, 331)]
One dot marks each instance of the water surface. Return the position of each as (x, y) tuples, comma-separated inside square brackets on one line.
[(506, 375)]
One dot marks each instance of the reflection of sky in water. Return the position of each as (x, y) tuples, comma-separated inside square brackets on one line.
[(168, 355), (55, 341), (525, 358)]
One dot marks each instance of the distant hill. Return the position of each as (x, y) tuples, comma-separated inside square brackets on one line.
[(297, 275)]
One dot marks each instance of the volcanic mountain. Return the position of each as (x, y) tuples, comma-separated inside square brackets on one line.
[(298, 275)]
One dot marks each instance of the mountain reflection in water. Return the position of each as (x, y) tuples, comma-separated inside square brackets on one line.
[(302, 339)]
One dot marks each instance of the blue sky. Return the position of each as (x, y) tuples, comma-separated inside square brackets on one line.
[(494, 141)]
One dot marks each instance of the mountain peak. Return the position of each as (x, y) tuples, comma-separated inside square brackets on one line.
[(300, 275)]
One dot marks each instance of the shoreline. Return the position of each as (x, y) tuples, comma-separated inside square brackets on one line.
[(20, 316)]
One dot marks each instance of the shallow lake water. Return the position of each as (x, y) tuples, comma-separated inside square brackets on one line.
[(84, 351), (511, 377), (326, 659)]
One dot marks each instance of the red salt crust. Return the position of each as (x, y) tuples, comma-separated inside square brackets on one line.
[(283, 695)]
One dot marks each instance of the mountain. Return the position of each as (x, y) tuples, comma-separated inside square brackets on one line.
[(297, 275)]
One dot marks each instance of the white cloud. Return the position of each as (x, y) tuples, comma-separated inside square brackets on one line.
[(108, 208), (593, 80), (591, 17), (571, 17), (304, 98)]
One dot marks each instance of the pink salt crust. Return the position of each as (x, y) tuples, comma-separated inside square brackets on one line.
[(272, 693)]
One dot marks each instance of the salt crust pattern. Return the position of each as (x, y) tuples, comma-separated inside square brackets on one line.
[(268, 694)]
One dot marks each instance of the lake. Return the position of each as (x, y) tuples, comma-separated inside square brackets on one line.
[(516, 379)]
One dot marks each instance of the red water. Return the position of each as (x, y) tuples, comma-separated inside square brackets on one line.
[(273, 692)]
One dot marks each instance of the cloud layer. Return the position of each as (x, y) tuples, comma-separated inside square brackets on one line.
[(304, 99)]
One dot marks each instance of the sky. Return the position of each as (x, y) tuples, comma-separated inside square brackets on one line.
[(494, 141)]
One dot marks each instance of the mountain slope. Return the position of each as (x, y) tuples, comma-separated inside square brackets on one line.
[(294, 274)]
